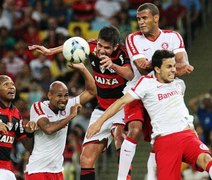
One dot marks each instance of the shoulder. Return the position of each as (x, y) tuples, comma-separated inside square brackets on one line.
[(92, 43), (39, 107), (146, 79), (171, 33)]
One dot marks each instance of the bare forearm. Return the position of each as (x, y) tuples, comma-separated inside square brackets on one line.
[(56, 50), (90, 87), (112, 110), (123, 71), (28, 143), (52, 127)]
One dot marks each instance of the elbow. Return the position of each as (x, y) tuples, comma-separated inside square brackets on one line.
[(93, 93), (48, 131), (93, 90), (131, 76)]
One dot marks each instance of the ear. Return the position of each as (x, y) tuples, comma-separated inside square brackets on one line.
[(157, 69), (156, 18), (116, 46), (49, 95)]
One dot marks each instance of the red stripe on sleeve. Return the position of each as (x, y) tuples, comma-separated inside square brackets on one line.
[(131, 44), (38, 109), (181, 40)]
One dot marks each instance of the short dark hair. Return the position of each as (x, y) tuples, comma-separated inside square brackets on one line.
[(152, 7), (110, 34), (159, 56)]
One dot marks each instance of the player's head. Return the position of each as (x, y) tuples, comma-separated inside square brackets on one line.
[(58, 96), (108, 40), (7, 88), (148, 18), (164, 65)]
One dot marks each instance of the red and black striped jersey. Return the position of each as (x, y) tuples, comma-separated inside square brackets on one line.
[(10, 116), (109, 84)]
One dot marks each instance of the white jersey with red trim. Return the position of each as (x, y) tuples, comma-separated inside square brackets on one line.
[(138, 46), (164, 103), (47, 154)]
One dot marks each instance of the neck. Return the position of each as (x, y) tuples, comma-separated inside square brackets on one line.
[(55, 110), (153, 34), (6, 103)]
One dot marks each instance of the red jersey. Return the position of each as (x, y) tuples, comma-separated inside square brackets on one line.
[(10, 116), (109, 84)]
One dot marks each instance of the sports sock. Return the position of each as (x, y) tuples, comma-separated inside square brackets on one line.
[(87, 174), (151, 167), (129, 172), (209, 169), (127, 153)]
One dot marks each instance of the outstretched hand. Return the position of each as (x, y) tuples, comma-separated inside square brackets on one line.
[(93, 129), (75, 109), (31, 127), (77, 66), (41, 49)]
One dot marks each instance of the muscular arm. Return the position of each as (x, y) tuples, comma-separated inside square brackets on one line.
[(124, 71), (45, 51), (51, 127), (110, 111), (28, 143), (90, 86), (144, 66), (182, 64)]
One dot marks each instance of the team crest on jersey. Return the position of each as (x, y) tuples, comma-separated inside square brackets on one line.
[(121, 58), (203, 147), (93, 63), (10, 125), (165, 45), (102, 69), (16, 126), (63, 113)]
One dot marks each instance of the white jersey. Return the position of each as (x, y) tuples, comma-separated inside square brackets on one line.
[(164, 103), (138, 46), (47, 154)]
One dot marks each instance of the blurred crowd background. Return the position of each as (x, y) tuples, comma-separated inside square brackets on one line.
[(50, 23)]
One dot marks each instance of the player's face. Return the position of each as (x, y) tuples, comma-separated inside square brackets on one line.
[(7, 90), (166, 73), (58, 99), (104, 48), (147, 22)]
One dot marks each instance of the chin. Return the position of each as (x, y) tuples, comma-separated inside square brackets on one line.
[(61, 108)]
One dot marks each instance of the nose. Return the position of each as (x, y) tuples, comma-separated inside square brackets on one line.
[(173, 69)]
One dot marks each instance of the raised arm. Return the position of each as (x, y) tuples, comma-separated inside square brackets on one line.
[(45, 51), (90, 86), (124, 71)]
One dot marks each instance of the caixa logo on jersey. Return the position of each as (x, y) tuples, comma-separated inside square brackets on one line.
[(106, 81)]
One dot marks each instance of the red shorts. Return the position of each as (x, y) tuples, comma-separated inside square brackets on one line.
[(44, 176), (171, 150), (136, 111)]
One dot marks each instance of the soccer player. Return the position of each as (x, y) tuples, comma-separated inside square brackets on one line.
[(52, 117), (11, 127), (111, 70), (140, 46), (173, 135)]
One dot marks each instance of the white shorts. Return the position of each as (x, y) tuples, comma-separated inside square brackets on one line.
[(6, 174), (107, 127)]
